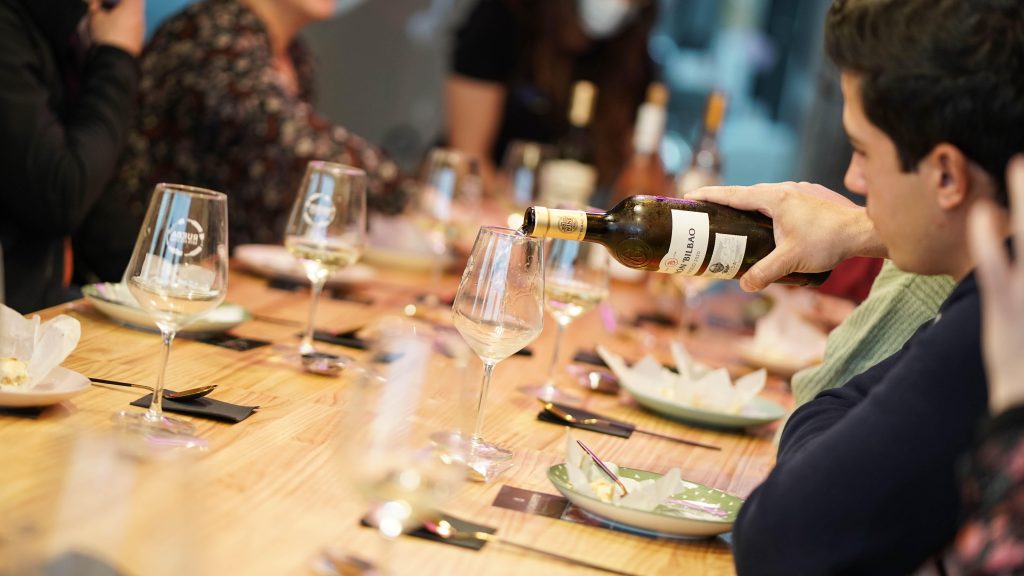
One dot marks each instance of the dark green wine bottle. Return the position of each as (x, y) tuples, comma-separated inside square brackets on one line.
[(671, 235)]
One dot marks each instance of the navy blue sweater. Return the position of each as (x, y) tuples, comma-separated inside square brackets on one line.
[(866, 479)]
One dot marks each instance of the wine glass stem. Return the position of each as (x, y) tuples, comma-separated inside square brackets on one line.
[(306, 347), (156, 405), (550, 383), (484, 386)]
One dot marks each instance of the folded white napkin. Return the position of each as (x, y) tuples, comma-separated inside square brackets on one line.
[(696, 385), (588, 479), (41, 346)]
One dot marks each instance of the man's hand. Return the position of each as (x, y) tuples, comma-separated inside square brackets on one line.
[(815, 228), (124, 26), (1002, 292)]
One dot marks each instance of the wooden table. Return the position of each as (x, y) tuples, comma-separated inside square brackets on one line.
[(268, 496)]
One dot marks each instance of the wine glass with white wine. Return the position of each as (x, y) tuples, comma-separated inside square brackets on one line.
[(575, 281), (446, 206), (498, 309), (177, 273), (326, 230)]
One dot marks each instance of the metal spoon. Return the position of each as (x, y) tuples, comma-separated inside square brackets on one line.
[(445, 530), (325, 363), (190, 394)]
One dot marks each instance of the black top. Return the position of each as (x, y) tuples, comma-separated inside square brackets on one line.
[(866, 478), (493, 45), (63, 124)]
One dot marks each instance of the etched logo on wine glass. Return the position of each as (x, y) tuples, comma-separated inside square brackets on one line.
[(185, 238), (635, 253), (319, 210)]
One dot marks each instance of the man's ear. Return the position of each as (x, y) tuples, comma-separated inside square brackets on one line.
[(948, 172)]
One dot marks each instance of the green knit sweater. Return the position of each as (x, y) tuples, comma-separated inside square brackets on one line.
[(898, 304)]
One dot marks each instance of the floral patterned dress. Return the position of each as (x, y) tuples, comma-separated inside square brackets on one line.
[(215, 113), (992, 539)]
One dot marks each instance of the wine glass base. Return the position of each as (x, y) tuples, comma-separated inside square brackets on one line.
[(143, 435), (550, 394), (484, 461)]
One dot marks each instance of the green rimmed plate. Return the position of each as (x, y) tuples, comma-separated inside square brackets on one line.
[(118, 304), (757, 412), (696, 511)]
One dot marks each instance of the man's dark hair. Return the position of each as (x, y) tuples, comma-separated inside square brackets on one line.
[(935, 71)]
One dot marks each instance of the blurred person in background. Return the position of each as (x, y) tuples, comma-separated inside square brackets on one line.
[(513, 69), (227, 104), (992, 540), (69, 80)]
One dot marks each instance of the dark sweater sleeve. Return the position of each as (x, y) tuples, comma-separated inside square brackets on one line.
[(56, 168), (866, 477)]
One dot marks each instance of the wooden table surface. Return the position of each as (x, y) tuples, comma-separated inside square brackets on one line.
[(268, 496)]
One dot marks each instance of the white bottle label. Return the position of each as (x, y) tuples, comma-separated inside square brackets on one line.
[(689, 245), (727, 256)]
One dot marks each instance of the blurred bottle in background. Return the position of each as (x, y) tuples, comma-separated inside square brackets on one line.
[(706, 163), (576, 143), (645, 173)]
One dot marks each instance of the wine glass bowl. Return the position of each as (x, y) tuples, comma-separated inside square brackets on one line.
[(177, 272), (498, 310), (576, 281), (326, 229), (519, 178), (446, 207)]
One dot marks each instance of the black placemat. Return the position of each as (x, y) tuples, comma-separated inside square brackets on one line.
[(347, 339), (204, 407), (231, 342), (623, 430), (458, 524)]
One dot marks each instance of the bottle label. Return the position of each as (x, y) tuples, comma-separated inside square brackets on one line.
[(726, 257), (564, 224), (689, 243)]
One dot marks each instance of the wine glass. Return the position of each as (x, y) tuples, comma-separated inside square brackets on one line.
[(498, 309), (575, 281), (447, 203), (388, 455), (519, 179), (326, 230), (177, 272)]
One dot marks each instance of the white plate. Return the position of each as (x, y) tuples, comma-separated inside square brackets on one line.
[(117, 303), (668, 518), (778, 364), (60, 384), (759, 411), (275, 261), (418, 261)]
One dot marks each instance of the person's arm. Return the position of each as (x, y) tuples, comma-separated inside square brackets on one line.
[(56, 168), (865, 480), (815, 228), (473, 110)]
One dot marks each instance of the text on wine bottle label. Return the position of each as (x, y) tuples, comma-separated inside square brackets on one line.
[(726, 256), (689, 244)]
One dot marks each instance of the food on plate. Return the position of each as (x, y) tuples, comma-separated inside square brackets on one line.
[(13, 372)]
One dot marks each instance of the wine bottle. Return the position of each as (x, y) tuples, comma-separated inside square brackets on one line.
[(645, 173), (706, 163), (575, 144), (671, 235)]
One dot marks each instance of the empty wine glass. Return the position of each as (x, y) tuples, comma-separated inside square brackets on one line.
[(177, 272), (575, 281), (498, 309), (327, 229), (446, 206), (519, 178), (388, 455)]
